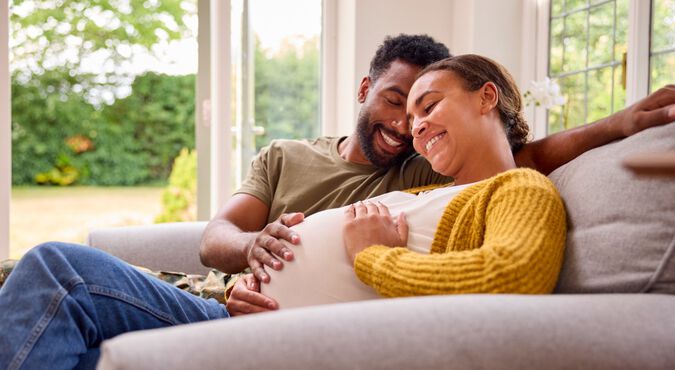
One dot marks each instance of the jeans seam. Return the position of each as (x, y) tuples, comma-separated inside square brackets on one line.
[(44, 321), (112, 293)]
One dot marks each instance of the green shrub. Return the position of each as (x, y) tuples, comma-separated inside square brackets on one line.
[(58, 138), (62, 174), (43, 118), (180, 197)]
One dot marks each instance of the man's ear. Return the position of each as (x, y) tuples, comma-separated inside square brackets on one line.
[(489, 96), (363, 90)]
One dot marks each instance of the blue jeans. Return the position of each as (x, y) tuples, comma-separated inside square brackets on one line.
[(63, 300)]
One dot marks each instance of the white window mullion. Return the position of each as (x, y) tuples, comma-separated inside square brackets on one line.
[(5, 131), (203, 112), (329, 66), (221, 104), (541, 67), (637, 63)]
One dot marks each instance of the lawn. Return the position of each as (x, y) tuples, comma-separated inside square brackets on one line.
[(40, 214)]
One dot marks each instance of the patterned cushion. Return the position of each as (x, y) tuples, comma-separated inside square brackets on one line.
[(621, 235)]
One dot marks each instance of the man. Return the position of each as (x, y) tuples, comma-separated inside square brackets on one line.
[(373, 160), (62, 301)]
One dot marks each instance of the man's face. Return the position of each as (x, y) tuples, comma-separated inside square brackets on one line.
[(382, 127)]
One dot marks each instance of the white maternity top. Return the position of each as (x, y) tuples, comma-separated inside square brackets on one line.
[(321, 272)]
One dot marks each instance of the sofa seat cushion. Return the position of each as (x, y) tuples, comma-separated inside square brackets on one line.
[(612, 331), (621, 227)]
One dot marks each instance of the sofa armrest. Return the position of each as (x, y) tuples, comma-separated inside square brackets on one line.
[(629, 331), (166, 247)]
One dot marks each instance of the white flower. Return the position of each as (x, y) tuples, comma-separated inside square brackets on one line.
[(544, 93)]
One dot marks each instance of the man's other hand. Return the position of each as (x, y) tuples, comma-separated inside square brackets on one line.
[(246, 298), (656, 109), (266, 247)]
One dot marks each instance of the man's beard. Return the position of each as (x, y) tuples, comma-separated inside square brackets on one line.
[(366, 134)]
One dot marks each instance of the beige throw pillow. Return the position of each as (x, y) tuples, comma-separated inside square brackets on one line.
[(621, 235)]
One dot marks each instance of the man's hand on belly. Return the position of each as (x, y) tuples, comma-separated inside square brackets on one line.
[(266, 247)]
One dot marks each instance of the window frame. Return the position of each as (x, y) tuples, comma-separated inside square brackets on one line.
[(637, 59), (5, 131)]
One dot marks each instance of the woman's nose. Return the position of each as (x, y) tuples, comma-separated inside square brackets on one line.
[(418, 128)]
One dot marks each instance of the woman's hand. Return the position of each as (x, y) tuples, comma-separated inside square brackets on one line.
[(246, 298), (369, 223)]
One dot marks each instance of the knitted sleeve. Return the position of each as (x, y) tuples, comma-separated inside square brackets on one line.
[(508, 237)]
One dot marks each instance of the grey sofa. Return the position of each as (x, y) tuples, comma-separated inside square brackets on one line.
[(614, 305)]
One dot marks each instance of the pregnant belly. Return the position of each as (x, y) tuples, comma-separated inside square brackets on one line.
[(321, 272)]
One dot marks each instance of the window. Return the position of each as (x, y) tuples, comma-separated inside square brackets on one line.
[(588, 45), (662, 50), (587, 53)]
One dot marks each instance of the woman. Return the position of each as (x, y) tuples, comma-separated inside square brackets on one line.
[(501, 229)]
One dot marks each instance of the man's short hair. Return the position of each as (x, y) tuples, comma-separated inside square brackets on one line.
[(420, 50)]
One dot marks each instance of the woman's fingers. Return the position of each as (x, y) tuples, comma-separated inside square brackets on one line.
[(372, 208), (382, 209), (402, 228), (360, 209)]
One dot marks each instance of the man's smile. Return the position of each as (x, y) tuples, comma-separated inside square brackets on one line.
[(392, 141)]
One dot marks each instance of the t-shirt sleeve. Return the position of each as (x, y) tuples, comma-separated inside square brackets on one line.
[(258, 180)]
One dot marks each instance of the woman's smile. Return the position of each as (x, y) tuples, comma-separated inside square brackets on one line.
[(433, 141)]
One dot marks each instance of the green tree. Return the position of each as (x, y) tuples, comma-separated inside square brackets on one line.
[(63, 35), (58, 136), (160, 115), (287, 92)]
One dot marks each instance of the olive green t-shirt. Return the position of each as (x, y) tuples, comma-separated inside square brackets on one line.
[(310, 176)]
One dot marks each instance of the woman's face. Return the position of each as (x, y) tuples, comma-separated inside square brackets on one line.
[(445, 121)]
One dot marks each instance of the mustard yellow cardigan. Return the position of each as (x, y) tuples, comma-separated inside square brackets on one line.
[(505, 234)]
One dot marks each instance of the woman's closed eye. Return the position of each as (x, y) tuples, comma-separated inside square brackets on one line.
[(430, 107)]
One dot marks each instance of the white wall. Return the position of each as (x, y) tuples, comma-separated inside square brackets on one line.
[(493, 28), (355, 32), (490, 28)]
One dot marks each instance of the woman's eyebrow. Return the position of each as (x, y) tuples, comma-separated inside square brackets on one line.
[(421, 97)]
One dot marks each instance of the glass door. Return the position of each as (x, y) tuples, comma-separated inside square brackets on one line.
[(276, 51)]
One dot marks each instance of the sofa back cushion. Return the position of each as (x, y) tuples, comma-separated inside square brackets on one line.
[(621, 227)]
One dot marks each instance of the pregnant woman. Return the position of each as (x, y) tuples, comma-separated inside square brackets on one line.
[(499, 229)]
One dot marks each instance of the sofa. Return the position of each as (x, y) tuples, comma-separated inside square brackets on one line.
[(613, 307)]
